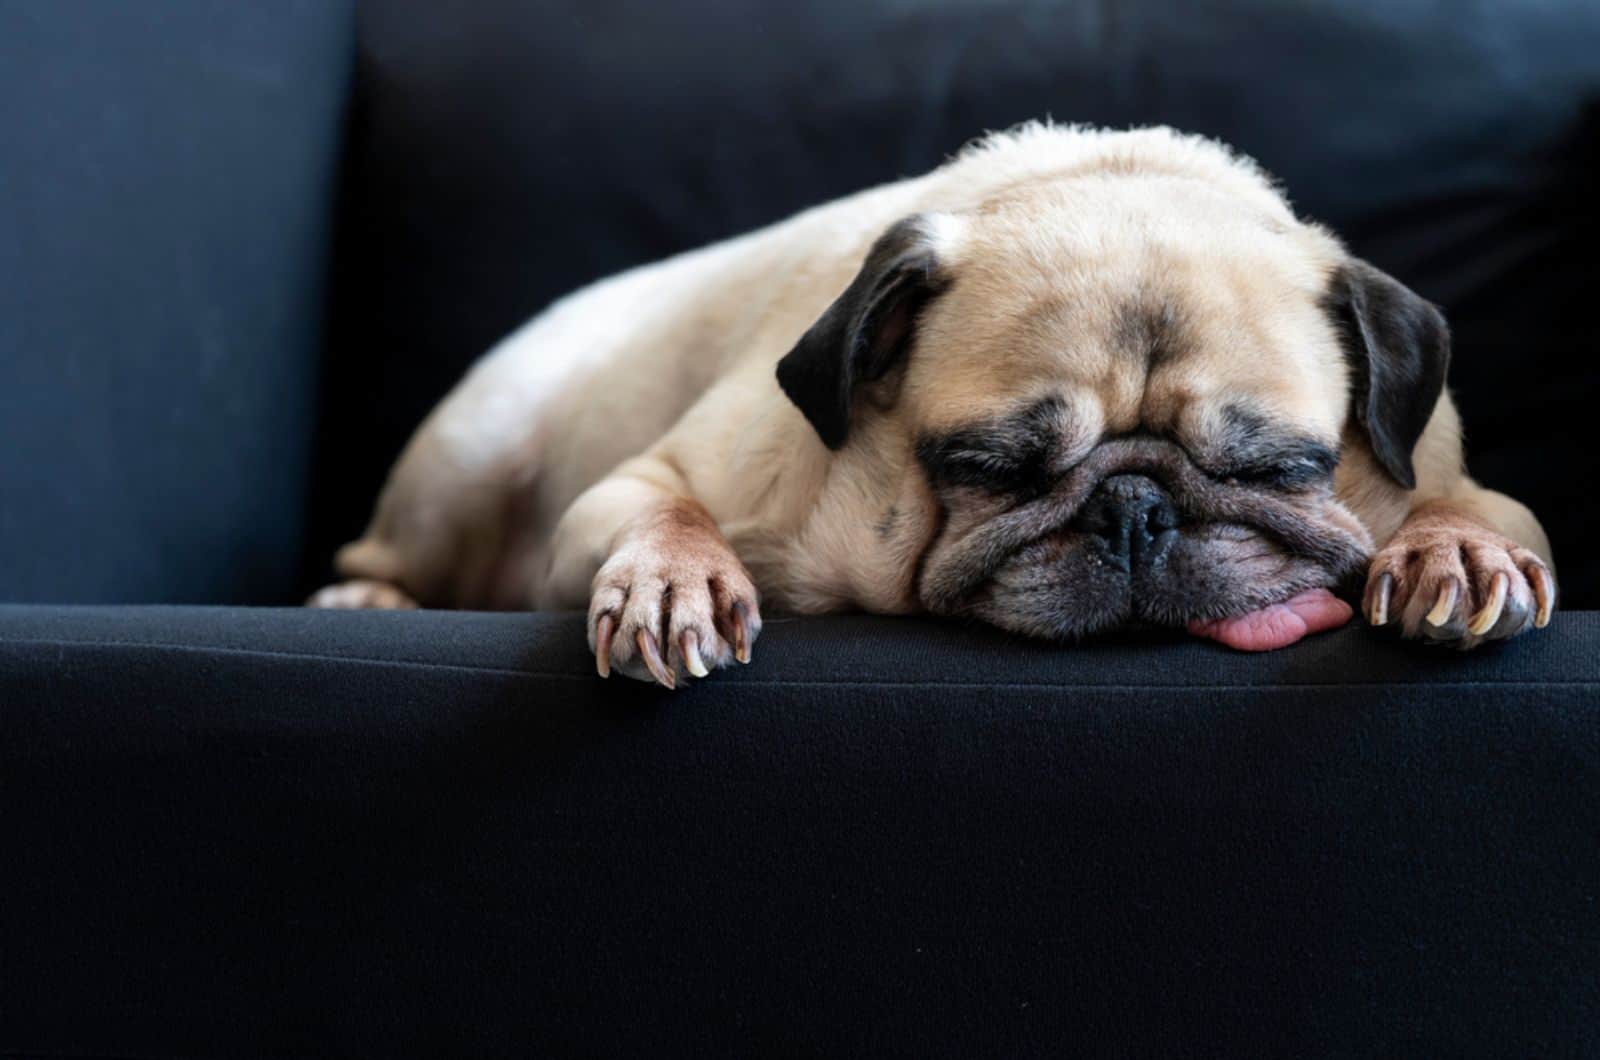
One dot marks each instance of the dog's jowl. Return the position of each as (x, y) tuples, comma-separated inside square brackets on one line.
[(1071, 380)]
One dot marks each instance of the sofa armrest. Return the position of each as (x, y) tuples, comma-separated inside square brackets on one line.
[(167, 177), (259, 831)]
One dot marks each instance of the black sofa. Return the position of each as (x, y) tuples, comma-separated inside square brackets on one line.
[(244, 247)]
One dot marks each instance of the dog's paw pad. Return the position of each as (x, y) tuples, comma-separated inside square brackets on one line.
[(362, 594), (667, 611), (1453, 582)]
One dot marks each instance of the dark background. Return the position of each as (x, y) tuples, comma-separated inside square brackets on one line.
[(491, 155)]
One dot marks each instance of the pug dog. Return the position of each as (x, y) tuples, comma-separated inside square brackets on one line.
[(1071, 380)]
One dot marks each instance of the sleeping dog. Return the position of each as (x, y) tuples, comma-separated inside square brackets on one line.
[(1071, 380)]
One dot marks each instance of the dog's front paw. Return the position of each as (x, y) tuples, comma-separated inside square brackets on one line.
[(673, 601), (1443, 578)]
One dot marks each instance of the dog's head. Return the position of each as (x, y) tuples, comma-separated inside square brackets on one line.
[(1120, 400)]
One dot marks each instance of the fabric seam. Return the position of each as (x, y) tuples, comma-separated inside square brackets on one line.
[(797, 682)]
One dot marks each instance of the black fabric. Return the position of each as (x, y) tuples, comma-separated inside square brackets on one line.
[(167, 175), (254, 832), (507, 152)]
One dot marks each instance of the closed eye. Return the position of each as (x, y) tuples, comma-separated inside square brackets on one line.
[(954, 461), (1295, 466), (1008, 455), (979, 464), (995, 462), (1256, 451)]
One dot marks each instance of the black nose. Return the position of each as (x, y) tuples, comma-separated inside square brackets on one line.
[(1131, 517)]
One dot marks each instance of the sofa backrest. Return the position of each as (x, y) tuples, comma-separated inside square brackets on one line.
[(167, 174), (504, 153)]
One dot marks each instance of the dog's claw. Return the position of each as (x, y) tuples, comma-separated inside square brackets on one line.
[(604, 630), (741, 632), (681, 603), (1544, 593), (650, 652), (1446, 579), (1445, 605), (1382, 591), (689, 646), (1490, 614)]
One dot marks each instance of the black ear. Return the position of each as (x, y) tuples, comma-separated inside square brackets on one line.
[(1399, 350), (866, 330)]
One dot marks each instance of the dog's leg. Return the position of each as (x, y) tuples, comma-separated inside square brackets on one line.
[(667, 596), (362, 593), (1465, 567)]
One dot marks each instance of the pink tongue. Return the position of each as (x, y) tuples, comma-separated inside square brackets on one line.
[(1277, 625)]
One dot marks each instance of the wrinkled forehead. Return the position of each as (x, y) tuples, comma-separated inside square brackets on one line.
[(1126, 324)]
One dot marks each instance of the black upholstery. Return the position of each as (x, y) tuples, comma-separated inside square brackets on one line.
[(244, 247), (289, 832), (167, 176)]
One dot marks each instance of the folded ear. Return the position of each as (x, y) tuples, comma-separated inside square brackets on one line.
[(867, 329), (1398, 346)]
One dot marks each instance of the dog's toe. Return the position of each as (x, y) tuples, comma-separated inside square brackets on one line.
[(1457, 583), (662, 615)]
